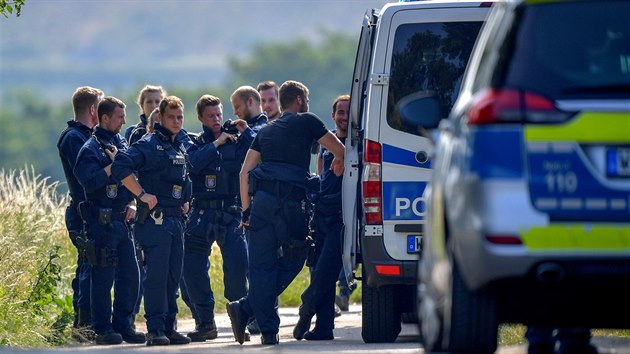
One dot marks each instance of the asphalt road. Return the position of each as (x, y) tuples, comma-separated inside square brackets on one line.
[(347, 340)]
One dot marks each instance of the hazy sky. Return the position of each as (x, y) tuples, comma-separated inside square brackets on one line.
[(56, 41)]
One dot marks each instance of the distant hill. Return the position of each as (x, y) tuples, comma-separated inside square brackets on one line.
[(56, 45)]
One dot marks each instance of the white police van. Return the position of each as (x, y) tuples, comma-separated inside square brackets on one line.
[(410, 62)]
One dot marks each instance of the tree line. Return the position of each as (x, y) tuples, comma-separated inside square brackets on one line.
[(31, 124)]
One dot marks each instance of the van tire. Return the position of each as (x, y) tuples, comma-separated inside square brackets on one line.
[(381, 318)]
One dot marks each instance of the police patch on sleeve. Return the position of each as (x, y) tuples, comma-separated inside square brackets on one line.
[(177, 191), (211, 181), (112, 190)]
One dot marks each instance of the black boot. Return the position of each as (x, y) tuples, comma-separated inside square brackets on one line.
[(177, 338), (157, 338), (316, 334), (108, 338), (203, 332), (301, 327)]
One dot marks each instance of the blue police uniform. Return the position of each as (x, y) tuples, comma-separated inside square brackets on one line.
[(161, 169), (319, 298), (279, 214), (104, 213), (215, 216), (70, 142), (142, 124), (256, 123)]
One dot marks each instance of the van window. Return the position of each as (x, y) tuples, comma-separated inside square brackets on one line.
[(428, 59)]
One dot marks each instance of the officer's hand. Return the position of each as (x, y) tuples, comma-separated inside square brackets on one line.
[(111, 151), (131, 212), (240, 124), (150, 200), (185, 208), (224, 137), (337, 166)]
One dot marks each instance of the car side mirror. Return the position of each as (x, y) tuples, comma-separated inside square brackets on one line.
[(420, 109)]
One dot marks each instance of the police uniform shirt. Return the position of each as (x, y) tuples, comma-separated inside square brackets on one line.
[(289, 138), (70, 142), (160, 164), (214, 171), (330, 182), (100, 188), (130, 129), (256, 123)]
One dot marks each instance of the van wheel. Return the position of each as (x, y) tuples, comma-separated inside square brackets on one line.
[(473, 318), (381, 318)]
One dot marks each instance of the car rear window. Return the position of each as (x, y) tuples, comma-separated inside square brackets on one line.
[(571, 50)]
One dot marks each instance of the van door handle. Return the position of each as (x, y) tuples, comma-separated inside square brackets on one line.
[(422, 157)]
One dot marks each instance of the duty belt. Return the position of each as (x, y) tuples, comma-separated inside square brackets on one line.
[(281, 188), (213, 203), (165, 212), (106, 215)]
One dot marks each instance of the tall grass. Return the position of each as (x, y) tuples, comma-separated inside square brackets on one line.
[(35, 304)]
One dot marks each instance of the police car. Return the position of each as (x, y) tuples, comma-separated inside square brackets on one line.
[(528, 209), (409, 66)]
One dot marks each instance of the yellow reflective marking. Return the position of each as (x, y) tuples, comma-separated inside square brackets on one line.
[(577, 237), (588, 127)]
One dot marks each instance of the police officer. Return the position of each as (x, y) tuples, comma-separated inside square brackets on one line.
[(246, 105), (215, 158), (148, 100), (319, 298), (163, 189), (112, 252), (269, 99), (277, 169), (84, 103)]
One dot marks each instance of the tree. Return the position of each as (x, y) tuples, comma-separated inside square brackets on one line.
[(324, 66), (8, 6)]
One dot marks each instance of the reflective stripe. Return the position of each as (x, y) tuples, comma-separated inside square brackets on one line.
[(588, 127), (577, 237)]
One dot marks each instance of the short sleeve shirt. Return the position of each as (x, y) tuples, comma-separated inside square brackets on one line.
[(288, 139)]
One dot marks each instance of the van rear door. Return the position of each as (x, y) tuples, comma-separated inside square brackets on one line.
[(354, 145)]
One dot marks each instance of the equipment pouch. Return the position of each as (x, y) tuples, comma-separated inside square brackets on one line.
[(105, 216)]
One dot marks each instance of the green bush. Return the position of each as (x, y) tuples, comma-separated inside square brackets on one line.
[(34, 266)]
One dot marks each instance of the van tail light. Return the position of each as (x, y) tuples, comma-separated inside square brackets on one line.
[(372, 193), (495, 106)]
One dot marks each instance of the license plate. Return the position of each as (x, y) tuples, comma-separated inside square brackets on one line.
[(618, 162), (414, 243)]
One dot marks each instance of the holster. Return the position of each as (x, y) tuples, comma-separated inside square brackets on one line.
[(83, 210), (80, 240), (142, 212), (296, 249), (101, 256), (221, 221)]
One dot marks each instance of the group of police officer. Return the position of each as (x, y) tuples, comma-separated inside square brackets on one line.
[(244, 184)]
